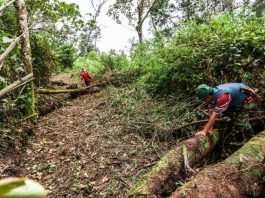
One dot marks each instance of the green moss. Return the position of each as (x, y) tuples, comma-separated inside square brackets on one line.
[(233, 159), (204, 142), (258, 172), (254, 148), (171, 157), (184, 150), (141, 189), (187, 185), (163, 162), (215, 136)]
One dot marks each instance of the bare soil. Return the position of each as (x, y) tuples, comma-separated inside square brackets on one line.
[(81, 150)]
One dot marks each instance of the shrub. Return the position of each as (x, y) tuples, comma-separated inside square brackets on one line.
[(44, 60), (66, 55), (227, 48)]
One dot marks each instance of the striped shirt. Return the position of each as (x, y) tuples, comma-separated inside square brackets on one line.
[(223, 101)]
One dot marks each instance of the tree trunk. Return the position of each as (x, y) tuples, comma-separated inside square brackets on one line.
[(162, 177), (60, 91), (139, 27), (240, 175), (16, 84), (26, 51)]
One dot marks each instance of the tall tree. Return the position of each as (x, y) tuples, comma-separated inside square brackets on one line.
[(91, 31), (135, 11), (26, 51), (164, 17)]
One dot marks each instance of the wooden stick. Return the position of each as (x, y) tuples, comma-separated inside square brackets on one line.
[(5, 5), (194, 123), (29, 117), (204, 121), (16, 84), (11, 47)]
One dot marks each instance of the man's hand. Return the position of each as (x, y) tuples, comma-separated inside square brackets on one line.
[(209, 126), (203, 133)]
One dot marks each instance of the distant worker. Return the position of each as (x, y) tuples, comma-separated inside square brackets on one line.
[(86, 77), (234, 97)]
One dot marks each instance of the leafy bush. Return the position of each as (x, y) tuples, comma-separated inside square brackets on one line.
[(227, 48), (113, 61), (66, 55), (44, 60), (98, 64)]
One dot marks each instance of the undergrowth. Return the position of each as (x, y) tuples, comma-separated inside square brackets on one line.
[(153, 117)]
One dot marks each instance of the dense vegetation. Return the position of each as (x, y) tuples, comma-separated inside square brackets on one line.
[(209, 46), (220, 49), (151, 93), (215, 48), (223, 48)]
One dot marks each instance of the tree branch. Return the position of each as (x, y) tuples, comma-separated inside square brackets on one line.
[(147, 13), (5, 5), (60, 91), (11, 47), (16, 84)]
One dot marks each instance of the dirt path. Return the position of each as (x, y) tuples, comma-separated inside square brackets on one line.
[(81, 150)]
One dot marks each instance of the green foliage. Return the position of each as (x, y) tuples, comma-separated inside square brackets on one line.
[(227, 48), (113, 61), (55, 11), (44, 60), (8, 22), (23, 101), (2, 82), (66, 55), (100, 63), (149, 116), (42, 13)]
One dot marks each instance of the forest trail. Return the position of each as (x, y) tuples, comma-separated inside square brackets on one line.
[(80, 150)]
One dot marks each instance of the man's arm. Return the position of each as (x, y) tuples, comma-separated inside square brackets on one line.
[(222, 104), (209, 126)]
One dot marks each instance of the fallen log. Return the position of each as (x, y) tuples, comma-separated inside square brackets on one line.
[(162, 177), (240, 175), (58, 83), (16, 84), (61, 91)]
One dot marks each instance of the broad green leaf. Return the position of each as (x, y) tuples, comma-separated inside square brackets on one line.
[(8, 184), (21, 188)]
